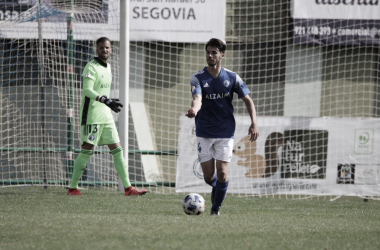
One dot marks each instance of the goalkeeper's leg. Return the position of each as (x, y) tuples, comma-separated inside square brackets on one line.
[(79, 166), (121, 168)]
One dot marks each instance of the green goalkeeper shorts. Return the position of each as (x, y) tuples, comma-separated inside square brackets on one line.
[(99, 134)]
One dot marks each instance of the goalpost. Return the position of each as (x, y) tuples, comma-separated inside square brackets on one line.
[(314, 81)]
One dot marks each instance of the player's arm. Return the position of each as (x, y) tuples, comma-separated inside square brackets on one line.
[(196, 105), (89, 78), (88, 90), (196, 91), (242, 90), (253, 130)]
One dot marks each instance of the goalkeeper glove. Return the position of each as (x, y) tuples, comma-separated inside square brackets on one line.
[(113, 104)]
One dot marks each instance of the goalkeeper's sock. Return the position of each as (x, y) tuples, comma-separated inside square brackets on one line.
[(220, 193), (121, 166), (79, 166), (212, 183)]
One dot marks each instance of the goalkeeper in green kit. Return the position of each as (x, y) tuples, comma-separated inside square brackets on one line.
[(97, 124)]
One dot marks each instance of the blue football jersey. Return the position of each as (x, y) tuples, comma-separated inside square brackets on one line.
[(216, 118)]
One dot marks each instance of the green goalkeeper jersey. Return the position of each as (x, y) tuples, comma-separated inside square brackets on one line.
[(97, 78)]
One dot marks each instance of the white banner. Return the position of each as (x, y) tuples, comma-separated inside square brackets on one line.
[(159, 20), (19, 19), (337, 22), (318, 156), (177, 20), (336, 9)]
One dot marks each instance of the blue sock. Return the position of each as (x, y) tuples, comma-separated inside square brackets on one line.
[(212, 182), (220, 193)]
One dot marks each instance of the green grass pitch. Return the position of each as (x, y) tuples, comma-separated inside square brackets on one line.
[(34, 218)]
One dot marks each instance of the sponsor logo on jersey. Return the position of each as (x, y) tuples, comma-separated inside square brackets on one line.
[(192, 89), (206, 85), (91, 137), (106, 85), (217, 96), (226, 83), (88, 75)]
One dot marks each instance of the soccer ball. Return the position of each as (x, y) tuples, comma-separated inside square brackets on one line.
[(193, 204)]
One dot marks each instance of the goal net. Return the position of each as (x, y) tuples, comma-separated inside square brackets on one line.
[(313, 78), (44, 46)]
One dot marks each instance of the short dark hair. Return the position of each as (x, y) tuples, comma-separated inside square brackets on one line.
[(215, 42), (102, 40)]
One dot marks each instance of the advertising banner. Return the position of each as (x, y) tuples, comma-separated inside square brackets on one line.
[(19, 19), (336, 22), (149, 20), (293, 155), (177, 20)]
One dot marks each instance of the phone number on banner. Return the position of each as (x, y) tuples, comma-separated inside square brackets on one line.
[(326, 31)]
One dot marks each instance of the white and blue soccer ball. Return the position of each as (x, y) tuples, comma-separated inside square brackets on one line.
[(193, 204)]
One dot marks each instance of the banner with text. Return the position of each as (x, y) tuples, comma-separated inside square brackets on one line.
[(177, 20), (19, 19), (149, 20), (336, 22), (293, 155)]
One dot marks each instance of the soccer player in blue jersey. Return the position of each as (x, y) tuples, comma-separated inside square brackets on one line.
[(212, 89)]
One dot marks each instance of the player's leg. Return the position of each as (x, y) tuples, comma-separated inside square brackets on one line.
[(223, 153), (221, 184), (89, 136), (111, 138), (205, 152), (122, 170), (79, 166), (209, 176), (119, 162)]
